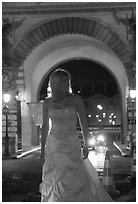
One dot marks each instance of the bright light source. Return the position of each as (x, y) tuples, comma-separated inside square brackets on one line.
[(100, 107), (89, 116), (97, 116), (113, 122), (6, 98), (132, 94), (100, 138), (112, 114), (92, 142), (104, 113)]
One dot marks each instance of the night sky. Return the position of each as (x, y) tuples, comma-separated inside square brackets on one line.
[(87, 73)]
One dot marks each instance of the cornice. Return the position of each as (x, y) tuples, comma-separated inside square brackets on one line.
[(17, 8)]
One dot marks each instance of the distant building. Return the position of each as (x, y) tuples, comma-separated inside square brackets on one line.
[(110, 113)]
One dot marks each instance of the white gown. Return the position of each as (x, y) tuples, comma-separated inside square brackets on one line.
[(66, 177)]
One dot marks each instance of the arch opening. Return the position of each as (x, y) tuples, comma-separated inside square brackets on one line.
[(61, 49), (85, 72), (97, 85)]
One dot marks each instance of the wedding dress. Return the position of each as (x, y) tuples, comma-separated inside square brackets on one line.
[(66, 177)]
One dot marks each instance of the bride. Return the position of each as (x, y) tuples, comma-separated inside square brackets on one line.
[(67, 176)]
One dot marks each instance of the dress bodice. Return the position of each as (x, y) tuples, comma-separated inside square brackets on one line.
[(63, 122)]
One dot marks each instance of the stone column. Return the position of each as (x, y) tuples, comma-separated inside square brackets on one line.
[(124, 122)]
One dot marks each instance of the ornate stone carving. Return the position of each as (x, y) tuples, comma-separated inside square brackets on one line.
[(64, 7), (130, 24)]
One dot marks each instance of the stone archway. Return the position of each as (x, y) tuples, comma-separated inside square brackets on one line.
[(41, 60), (73, 25), (71, 37)]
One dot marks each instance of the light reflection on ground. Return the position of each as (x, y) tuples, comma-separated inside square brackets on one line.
[(97, 157)]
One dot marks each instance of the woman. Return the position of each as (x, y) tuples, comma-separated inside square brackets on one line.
[(65, 175)]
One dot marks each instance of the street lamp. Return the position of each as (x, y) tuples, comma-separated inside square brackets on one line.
[(6, 98), (132, 94)]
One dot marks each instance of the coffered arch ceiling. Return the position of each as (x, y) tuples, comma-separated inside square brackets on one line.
[(74, 25)]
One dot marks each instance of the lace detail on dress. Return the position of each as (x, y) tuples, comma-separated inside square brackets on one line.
[(63, 122)]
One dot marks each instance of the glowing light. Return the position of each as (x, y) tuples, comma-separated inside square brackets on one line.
[(89, 116), (132, 94), (6, 98), (100, 107), (113, 122), (100, 138), (92, 142), (97, 116)]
